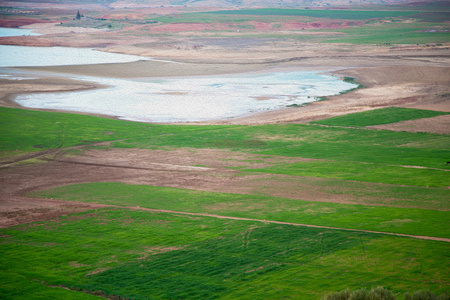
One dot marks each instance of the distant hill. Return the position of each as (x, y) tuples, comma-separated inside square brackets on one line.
[(219, 3)]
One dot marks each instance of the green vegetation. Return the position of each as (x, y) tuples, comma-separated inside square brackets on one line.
[(25, 130), (94, 23), (378, 293), (353, 81), (380, 116), (392, 33), (145, 255), (139, 254), (133, 251), (377, 218), (307, 141), (371, 26), (381, 293), (362, 171), (350, 153), (426, 295), (208, 18), (326, 14)]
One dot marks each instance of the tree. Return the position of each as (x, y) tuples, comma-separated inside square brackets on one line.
[(78, 17)]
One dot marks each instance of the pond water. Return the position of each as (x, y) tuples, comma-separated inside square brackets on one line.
[(191, 99)]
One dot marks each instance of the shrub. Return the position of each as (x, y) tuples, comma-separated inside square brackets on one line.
[(359, 294), (342, 295), (381, 293), (426, 295), (378, 293)]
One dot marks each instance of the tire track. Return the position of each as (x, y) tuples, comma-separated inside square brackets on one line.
[(154, 166), (56, 151)]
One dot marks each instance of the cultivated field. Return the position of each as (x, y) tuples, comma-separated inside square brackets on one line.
[(344, 193)]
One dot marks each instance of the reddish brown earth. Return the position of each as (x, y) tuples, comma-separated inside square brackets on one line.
[(249, 26), (16, 22), (439, 125), (197, 169), (27, 41)]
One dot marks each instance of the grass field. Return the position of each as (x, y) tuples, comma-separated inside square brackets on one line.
[(137, 254), (385, 221), (330, 14), (355, 146), (94, 23), (142, 255), (380, 116), (376, 218), (273, 15), (427, 25), (393, 33), (25, 130)]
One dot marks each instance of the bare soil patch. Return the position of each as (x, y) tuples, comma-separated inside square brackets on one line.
[(197, 169), (251, 26), (15, 210), (439, 125), (16, 22)]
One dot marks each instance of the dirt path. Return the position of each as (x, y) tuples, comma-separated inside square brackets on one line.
[(287, 223), (212, 170), (20, 210)]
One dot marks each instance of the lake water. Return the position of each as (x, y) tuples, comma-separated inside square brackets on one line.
[(16, 32), (183, 99), (19, 56), (196, 98)]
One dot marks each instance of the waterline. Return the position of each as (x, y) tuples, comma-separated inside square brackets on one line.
[(192, 99)]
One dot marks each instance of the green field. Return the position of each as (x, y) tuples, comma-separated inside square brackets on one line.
[(25, 130), (376, 218), (394, 33), (426, 25), (94, 23), (330, 14), (272, 15), (380, 215), (142, 255), (137, 254), (380, 116)]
